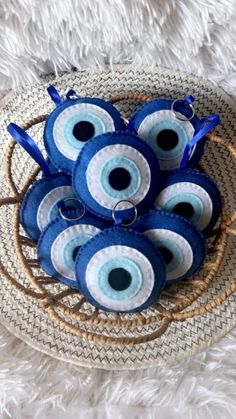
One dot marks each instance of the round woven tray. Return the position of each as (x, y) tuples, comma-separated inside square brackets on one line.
[(59, 320)]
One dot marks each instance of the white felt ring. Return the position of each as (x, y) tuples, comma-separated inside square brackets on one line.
[(105, 154), (149, 122), (58, 128), (181, 242), (162, 115), (108, 253), (61, 241), (54, 196), (188, 187)]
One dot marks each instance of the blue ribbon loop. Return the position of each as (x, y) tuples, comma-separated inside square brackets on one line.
[(188, 100), (70, 93), (25, 141), (206, 124), (54, 95)]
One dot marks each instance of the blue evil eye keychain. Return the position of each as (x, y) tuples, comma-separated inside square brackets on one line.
[(72, 123), (193, 195), (116, 166), (171, 128), (40, 203), (60, 242), (181, 244), (120, 270)]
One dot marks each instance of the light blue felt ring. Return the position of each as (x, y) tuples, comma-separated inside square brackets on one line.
[(125, 163), (186, 197), (128, 265), (161, 126), (67, 251), (54, 209), (174, 249), (99, 128)]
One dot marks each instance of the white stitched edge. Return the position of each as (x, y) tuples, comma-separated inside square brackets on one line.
[(107, 153), (58, 128), (188, 187), (108, 253), (49, 200), (60, 242), (183, 244)]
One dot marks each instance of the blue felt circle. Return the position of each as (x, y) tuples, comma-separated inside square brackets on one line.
[(113, 164), (128, 265), (164, 220), (165, 104), (49, 235), (33, 198), (79, 180), (118, 236), (58, 159), (198, 178)]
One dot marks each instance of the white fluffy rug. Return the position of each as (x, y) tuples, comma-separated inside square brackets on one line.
[(44, 36)]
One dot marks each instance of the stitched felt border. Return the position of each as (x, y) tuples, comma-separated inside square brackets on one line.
[(155, 219), (160, 104), (58, 159), (79, 177), (33, 198), (205, 182), (50, 234), (118, 236)]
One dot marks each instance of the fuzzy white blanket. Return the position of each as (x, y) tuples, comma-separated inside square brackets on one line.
[(44, 36)]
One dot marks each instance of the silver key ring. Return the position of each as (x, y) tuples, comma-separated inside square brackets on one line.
[(71, 219), (134, 208), (179, 115)]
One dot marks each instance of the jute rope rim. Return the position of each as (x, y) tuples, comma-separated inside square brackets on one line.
[(72, 318)]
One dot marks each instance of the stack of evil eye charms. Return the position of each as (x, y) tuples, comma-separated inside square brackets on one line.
[(121, 211)]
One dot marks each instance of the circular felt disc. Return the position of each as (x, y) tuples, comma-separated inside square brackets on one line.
[(119, 270), (113, 167), (72, 124), (193, 195), (60, 242), (39, 205), (168, 135), (178, 240)]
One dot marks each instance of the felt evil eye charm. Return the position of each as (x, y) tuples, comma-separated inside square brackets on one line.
[(167, 126), (193, 195), (39, 205), (60, 242), (116, 166), (119, 270), (72, 123), (178, 240)]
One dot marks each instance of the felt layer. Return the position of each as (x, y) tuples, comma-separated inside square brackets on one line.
[(67, 128), (119, 248), (92, 172)]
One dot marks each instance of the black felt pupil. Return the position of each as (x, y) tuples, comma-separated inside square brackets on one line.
[(75, 252), (119, 178), (119, 279), (167, 139), (166, 254), (184, 209), (83, 131)]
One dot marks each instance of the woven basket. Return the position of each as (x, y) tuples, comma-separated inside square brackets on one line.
[(66, 309)]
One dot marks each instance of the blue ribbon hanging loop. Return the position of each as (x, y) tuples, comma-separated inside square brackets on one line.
[(28, 144)]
